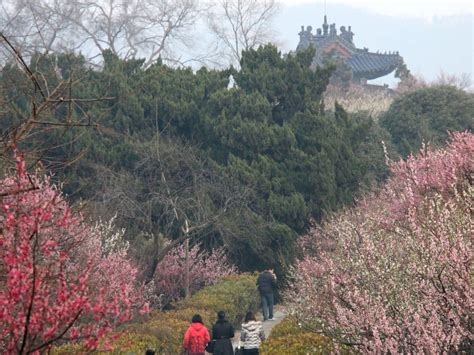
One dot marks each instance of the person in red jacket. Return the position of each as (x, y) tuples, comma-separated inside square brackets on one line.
[(196, 337)]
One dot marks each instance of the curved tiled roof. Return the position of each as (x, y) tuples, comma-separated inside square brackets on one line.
[(372, 65), (321, 42)]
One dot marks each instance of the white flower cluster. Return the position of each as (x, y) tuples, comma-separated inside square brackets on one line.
[(112, 238)]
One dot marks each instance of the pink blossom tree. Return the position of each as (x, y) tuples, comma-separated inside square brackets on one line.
[(205, 268), (394, 274), (57, 282)]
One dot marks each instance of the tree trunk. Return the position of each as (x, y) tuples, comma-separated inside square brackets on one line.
[(186, 271)]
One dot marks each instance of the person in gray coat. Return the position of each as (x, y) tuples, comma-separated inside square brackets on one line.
[(222, 332), (251, 335)]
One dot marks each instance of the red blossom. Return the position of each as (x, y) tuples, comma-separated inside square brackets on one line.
[(53, 271)]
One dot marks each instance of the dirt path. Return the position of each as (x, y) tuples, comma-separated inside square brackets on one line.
[(278, 315)]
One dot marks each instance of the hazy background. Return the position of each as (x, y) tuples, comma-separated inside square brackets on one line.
[(431, 37)]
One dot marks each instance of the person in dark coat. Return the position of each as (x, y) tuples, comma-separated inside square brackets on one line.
[(222, 332), (266, 284)]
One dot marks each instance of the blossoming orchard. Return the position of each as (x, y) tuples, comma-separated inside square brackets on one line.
[(394, 274), (57, 282), (64, 280)]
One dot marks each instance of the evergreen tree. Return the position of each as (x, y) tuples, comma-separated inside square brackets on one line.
[(427, 115)]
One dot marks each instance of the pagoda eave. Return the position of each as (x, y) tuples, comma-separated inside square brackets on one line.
[(373, 74)]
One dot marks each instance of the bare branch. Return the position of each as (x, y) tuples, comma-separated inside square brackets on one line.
[(242, 25)]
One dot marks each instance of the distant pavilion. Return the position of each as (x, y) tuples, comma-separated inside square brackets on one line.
[(365, 65)]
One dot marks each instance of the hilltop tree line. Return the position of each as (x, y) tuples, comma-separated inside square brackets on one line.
[(177, 31), (242, 158)]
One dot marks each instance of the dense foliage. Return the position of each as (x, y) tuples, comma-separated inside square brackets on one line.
[(428, 115), (245, 166), (395, 273)]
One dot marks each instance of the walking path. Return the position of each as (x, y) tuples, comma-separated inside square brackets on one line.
[(278, 315)]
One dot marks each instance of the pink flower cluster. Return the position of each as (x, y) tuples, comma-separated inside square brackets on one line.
[(204, 269), (55, 282), (394, 274)]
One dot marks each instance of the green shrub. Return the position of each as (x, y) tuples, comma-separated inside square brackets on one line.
[(132, 343), (208, 303), (185, 314), (288, 337), (128, 343), (301, 344), (287, 327), (168, 333), (235, 295), (68, 349)]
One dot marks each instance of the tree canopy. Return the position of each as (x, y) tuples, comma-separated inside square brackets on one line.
[(427, 115), (247, 167)]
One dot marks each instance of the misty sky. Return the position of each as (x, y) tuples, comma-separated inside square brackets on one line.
[(432, 36), (412, 8)]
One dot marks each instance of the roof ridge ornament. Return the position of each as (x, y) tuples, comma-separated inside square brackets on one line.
[(325, 26)]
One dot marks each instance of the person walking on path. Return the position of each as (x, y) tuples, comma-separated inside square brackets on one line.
[(251, 335), (222, 332), (196, 337), (266, 283)]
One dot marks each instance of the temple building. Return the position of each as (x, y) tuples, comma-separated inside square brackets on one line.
[(365, 65)]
